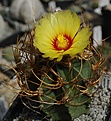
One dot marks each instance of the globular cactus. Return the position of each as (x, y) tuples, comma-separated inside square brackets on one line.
[(63, 87)]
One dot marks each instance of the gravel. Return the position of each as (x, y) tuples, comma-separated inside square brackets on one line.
[(100, 102)]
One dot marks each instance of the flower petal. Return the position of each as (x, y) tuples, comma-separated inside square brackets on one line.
[(81, 41), (60, 24), (76, 24)]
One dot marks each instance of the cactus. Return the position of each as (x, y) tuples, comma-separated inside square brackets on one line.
[(63, 87)]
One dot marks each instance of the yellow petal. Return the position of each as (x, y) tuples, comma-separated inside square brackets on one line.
[(80, 42), (58, 24), (83, 36), (60, 58), (45, 28), (76, 24)]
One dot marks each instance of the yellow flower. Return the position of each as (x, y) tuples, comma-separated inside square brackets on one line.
[(58, 34)]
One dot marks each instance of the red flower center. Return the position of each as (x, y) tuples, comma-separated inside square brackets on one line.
[(62, 42)]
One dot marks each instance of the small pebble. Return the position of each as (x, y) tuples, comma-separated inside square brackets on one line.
[(98, 106)]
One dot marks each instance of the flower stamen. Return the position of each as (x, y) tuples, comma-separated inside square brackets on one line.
[(62, 42)]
